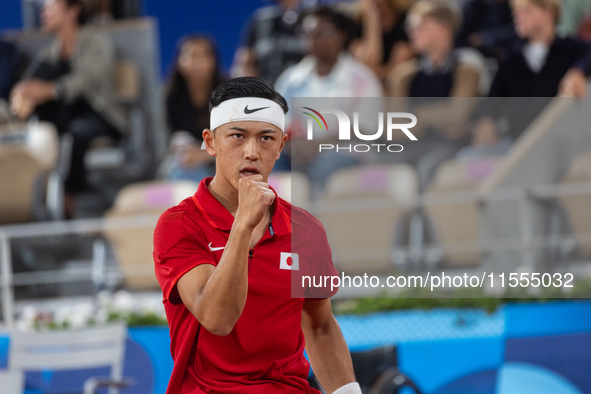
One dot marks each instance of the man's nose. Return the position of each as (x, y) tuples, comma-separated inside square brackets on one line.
[(251, 149)]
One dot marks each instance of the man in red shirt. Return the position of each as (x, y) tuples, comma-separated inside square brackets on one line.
[(225, 259)]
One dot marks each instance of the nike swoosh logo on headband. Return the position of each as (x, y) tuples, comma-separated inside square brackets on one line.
[(250, 111)]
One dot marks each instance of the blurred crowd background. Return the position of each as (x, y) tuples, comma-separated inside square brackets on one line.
[(118, 106), (104, 102), (102, 105)]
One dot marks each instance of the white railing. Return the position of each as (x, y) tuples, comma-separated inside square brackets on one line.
[(44, 229)]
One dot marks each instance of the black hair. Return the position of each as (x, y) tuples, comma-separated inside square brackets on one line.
[(246, 87), (340, 21), (176, 80), (83, 13)]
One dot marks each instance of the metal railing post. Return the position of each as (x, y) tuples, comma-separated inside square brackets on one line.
[(527, 232), (6, 281)]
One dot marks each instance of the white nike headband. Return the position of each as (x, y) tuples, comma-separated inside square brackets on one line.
[(247, 109)]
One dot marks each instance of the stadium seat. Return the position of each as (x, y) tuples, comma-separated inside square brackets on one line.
[(127, 80), (133, 247), (453, 212), (103, 154), (577, 205), (11, 382), (360, 208), (70, 350), (377, 372), (292, 186), (28, 156)]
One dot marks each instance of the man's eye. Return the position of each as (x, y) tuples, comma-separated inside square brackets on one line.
[(237, 135), (267, 138)]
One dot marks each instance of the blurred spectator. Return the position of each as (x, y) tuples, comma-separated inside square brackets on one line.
[(585, 29), (272, 43), (542, 64), (573, 15), (328, 71), (483, 155), (383, 43), (9, 68), (69, 84), (196, 74), (123, 9), (486, 141), (488, 26), (441, 70), (103, 10)]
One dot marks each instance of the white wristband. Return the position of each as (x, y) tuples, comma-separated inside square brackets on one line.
[(349, 388)]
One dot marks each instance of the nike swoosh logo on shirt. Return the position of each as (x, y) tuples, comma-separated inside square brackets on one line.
[(214, 249), (250, 111)]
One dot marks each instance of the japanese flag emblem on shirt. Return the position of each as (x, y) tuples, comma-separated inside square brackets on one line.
[(289, 261)]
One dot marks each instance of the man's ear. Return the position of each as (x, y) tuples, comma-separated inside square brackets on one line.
[(208, 139), (283, 140)]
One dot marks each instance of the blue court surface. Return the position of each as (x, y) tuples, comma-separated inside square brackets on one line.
[(520, 349)]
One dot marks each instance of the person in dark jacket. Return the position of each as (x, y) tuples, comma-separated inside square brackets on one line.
[(542, 63), (488, 26), (9, 67)]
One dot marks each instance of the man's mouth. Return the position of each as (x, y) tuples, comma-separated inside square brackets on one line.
[(249, 171)]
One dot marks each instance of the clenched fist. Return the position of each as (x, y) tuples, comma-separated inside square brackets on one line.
[(254, 198)]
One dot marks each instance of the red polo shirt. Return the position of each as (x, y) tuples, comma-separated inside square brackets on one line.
[(264, 351)]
